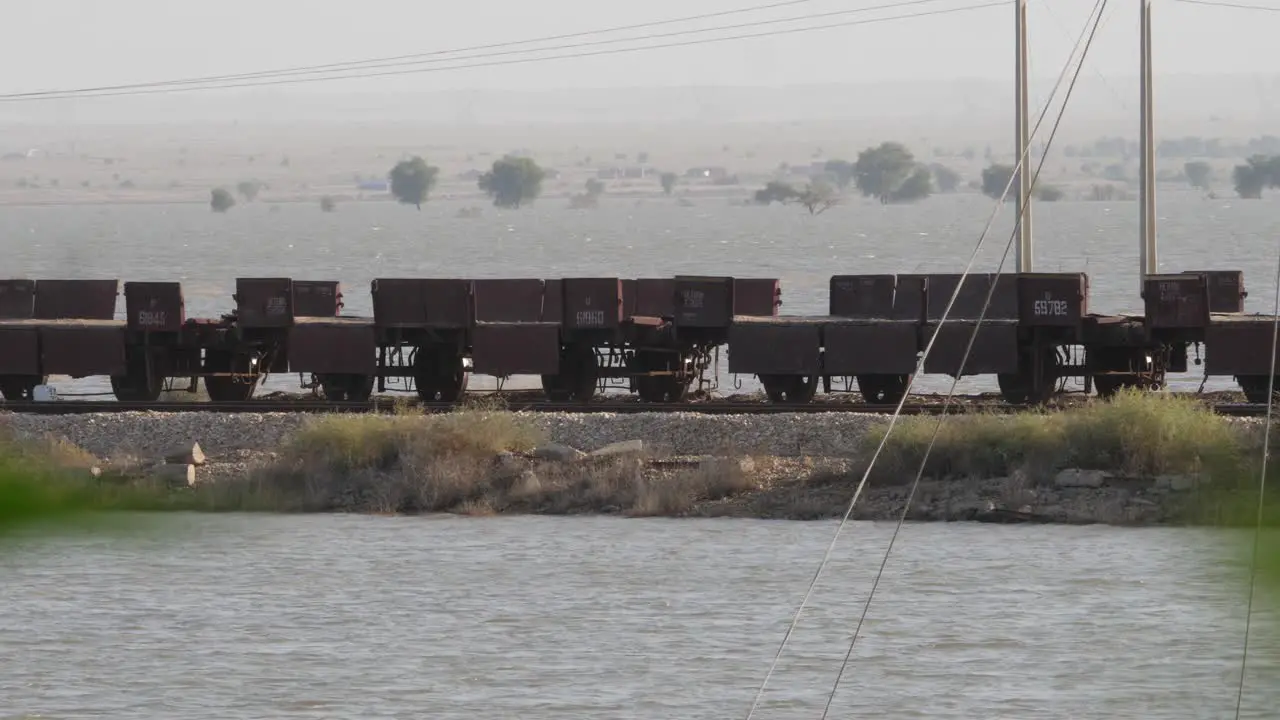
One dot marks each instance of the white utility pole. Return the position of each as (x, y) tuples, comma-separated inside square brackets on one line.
[(1022, 140), (1148, 261)]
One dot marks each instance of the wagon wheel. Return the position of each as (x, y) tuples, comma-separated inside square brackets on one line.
[(344, 386), (790, 388), (225, 388), (440, 375), (19, 388), (1255, 388), (883, 389), (1019, 388), (576, 381), (139, 383), (661, 388)]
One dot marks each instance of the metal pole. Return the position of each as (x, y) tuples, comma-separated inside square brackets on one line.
[(1022, 140), (1153, 264), (1148, 261)]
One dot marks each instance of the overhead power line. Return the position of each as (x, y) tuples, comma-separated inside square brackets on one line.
[(282, 77), (443, 57), (354, 64), (1231, 5)]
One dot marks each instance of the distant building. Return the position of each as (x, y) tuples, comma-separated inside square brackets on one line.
[(373, 186), (712, 173)]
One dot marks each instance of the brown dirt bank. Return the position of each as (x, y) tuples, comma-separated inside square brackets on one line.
[(1140, 459), (633, 485)]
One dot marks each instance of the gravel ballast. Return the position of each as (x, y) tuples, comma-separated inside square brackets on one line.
[(151, 433)]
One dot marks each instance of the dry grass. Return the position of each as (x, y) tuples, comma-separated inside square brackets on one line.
[(472, 462), (1137, 434)]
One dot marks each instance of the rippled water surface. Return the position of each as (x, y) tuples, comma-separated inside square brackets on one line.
[(207, 251), (234, 617)]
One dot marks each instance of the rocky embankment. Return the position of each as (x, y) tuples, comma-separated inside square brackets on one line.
[(802, 466)]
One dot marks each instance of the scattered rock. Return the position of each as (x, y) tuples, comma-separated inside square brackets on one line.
[(1075, 478), (557, 452), (619, 449), (186, 454)]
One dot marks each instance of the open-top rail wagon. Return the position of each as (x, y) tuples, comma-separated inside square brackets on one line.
[(656, 337)]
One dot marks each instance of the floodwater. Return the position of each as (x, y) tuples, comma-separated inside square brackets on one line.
[(239, 618), (626, 237)]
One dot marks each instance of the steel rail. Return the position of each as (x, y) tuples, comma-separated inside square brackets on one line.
[(63, 407)]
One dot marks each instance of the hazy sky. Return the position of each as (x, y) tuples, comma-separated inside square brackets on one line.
[(67, 43)]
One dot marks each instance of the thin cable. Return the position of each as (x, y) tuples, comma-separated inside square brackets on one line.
[(442, 56), (517, 61), (490, 46), (1262, 490), (1048, 8), (897, 412), (915, 485), (1231, 5)]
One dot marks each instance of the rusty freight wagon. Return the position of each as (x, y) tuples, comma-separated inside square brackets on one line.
[(658, 335)]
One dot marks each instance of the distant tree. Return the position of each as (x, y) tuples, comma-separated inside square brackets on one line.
[(946, 178), (328, 204), (221, 200), (776, 191), (881, 171), (1108, 193), (249, 189), (668, 181), (590, 198), (1116, 172), (1258, 172), (818, 197), (841, 171), (917, 186), (995, 178), (1048, 193), (1199, 173), (513, 181), (412, 180)]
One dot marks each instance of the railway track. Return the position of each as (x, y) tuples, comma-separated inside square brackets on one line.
[(387, 406)]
